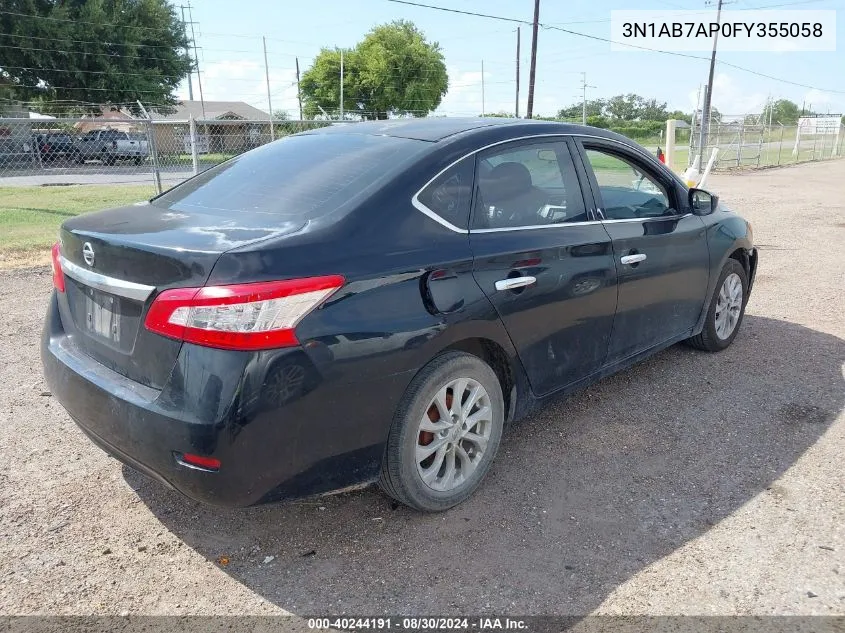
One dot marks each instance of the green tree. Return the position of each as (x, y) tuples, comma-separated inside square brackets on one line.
[(394, 70), (93, 52), (652, 110), (680, 115), (595, 107), (624, 107), (715, 116), (782, 111)]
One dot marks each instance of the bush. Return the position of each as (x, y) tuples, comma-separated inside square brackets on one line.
[(641, 130)]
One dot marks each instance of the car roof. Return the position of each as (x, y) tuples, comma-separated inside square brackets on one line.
[(435, 129)]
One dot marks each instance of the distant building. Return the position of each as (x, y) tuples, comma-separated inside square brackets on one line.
[(14, 136), (110, 120), (225, 127)]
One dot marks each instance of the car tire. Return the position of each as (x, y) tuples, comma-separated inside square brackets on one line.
[(466, 443), (726, 310)]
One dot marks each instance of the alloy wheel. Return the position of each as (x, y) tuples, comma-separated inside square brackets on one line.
[(453, 434), (728, 306)]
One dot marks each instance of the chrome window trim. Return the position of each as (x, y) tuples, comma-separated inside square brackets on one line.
[(112, 285), (534, 226), (419, 206), (428, 212), (655, 218)]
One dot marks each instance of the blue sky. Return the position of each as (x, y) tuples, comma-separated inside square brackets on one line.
[(232, 62)]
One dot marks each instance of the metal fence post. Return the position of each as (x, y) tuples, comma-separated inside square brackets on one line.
[(739, 145), (192, 130), (151, 141), (670, 143), (37, 151), (815, 139), (780, 147)]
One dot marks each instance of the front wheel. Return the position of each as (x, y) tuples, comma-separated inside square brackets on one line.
[(445, 433), (727, 307)]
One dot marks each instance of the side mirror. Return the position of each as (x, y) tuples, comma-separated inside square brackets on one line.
[(702, 202)]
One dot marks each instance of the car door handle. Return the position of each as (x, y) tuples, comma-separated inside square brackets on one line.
[(514, 282), (633, 259)]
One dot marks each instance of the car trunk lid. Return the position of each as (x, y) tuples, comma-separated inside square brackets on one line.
[(115, 262)]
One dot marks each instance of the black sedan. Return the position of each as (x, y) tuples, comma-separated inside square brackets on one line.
[(375, 301)]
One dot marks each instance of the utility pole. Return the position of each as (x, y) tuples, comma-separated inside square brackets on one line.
[(584, 87), (533, 69), (298, 91), (341, 84), (708, 92), (267, 79), (771, 107), (516, 109), (196, 60), (482, 87), (187, 52)]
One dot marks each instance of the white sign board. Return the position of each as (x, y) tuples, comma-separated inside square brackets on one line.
[(202, 144), (825, 125)]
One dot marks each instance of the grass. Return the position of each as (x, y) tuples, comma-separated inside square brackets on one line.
[(202, 159), (30, 216)]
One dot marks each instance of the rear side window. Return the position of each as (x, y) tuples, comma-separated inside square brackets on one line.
[(449, 194), (298, 178), (527, 184)]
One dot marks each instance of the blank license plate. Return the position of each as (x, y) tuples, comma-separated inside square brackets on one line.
[(102, 315)]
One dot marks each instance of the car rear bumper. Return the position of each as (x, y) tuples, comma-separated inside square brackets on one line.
[(273, 444)]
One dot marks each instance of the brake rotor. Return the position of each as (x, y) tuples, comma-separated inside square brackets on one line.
[(427, 437)]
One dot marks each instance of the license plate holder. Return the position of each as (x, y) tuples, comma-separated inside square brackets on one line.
[(102, 315)]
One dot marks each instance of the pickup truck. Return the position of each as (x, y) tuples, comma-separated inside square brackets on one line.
[(110, 146)]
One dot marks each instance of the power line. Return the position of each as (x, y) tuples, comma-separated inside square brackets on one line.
[(607, 39), (52, 19), (54, 50), (101, 43)]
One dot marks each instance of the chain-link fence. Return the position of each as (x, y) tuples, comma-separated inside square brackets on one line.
[(132, 151), (744, 144), (56, 151)]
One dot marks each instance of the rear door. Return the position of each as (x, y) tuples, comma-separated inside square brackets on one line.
[(543, 261), (660, 249)]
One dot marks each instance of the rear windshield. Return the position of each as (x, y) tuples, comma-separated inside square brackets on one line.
[(300, 177)]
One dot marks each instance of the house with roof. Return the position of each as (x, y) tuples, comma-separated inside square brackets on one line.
[(227, 127), (109, 119)]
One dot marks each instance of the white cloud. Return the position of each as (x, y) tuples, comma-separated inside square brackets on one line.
[(823, 102), (731, 97), (244, 80), (464, 95)]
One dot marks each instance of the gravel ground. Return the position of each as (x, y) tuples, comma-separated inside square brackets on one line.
[(690, 484)]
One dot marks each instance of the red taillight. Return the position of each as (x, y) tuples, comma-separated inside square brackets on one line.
[(55, 262), (206, 463), (253, 316)]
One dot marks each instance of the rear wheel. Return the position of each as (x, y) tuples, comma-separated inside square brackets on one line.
[(727, 307), (445, 433)]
